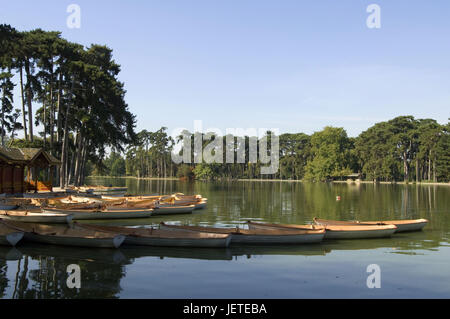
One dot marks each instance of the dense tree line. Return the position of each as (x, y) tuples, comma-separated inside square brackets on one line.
[(69, 90), (402, 149)]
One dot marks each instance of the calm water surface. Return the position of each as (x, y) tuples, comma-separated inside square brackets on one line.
[(413, 265)]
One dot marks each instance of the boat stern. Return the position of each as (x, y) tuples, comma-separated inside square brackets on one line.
[(14, 238), (118, 240)]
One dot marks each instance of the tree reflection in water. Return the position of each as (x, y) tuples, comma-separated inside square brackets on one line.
[(42, 273)]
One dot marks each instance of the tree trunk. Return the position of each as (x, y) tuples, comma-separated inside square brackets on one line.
[(429, 166), (45, 122), (52, 112), (434, 169), (165, 168), (58, 106), (417, 170), (75, 158), (23, 105), (29, 99), (405, 167), (3, 121), (83, 163), (151, 167), (78, 161), (64, 144)]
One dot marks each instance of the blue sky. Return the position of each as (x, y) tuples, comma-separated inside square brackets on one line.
[(293, 65)]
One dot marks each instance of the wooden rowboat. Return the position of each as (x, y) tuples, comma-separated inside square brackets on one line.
[(201, 204), (346, 231), (9, 236), (8, 207), (158, 237), (402, 225), (36, 216), (43, 195), (257, 237), (84, 214), (173, 209), (267, 226), (66, 236), (10, 253), (6, 204), (103, 190)]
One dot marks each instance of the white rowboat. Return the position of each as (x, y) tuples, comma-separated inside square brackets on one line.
[(36, 217), (9, 236), (157, 237), (402, 225), (80, 214), (172, 210), (258, 237), (66, 236), (8, 207), (345, 231)]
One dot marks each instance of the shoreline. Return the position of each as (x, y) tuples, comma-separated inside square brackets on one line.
[(284, 180), (139, 178)]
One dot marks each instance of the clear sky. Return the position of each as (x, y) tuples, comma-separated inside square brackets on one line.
[(288, 64)]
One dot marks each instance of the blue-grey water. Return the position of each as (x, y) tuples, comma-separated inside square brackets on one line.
[(412, 265)]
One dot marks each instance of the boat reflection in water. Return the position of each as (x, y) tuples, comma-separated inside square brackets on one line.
[(35, 271), (10, 253), (220, 254), (74, 254), (402, 243), (40, 271)]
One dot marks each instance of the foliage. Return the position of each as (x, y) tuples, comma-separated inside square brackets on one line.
[(400, 149), (81, 102), (330, 155)]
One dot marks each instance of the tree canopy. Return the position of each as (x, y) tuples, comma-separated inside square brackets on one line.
[(80, 100)]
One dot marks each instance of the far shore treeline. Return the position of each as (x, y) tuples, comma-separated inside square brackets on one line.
[(73, 93), (402, 149)]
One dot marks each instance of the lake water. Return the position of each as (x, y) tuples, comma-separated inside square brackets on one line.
[(412, 265)]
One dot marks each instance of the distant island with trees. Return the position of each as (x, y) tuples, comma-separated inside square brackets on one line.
[(83, 114)]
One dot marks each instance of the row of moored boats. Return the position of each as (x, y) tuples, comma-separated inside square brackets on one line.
[(64, 209), (88, 235)]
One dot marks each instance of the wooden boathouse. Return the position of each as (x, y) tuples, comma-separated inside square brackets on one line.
[(15, 161)]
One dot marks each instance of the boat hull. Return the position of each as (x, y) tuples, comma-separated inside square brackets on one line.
[(156, 237), (355, 234), (35, 218), (8, 207), (110, 194), (114, 242), (112, 214), (402, 225), (11, 239), (264, 226), (264, 238), (345, 232), (201, 205), (276, 240), (179, 242), (411, 227), (62, 235), (173, 210)]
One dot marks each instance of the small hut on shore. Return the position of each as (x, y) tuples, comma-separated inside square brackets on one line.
[(15, 161)]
